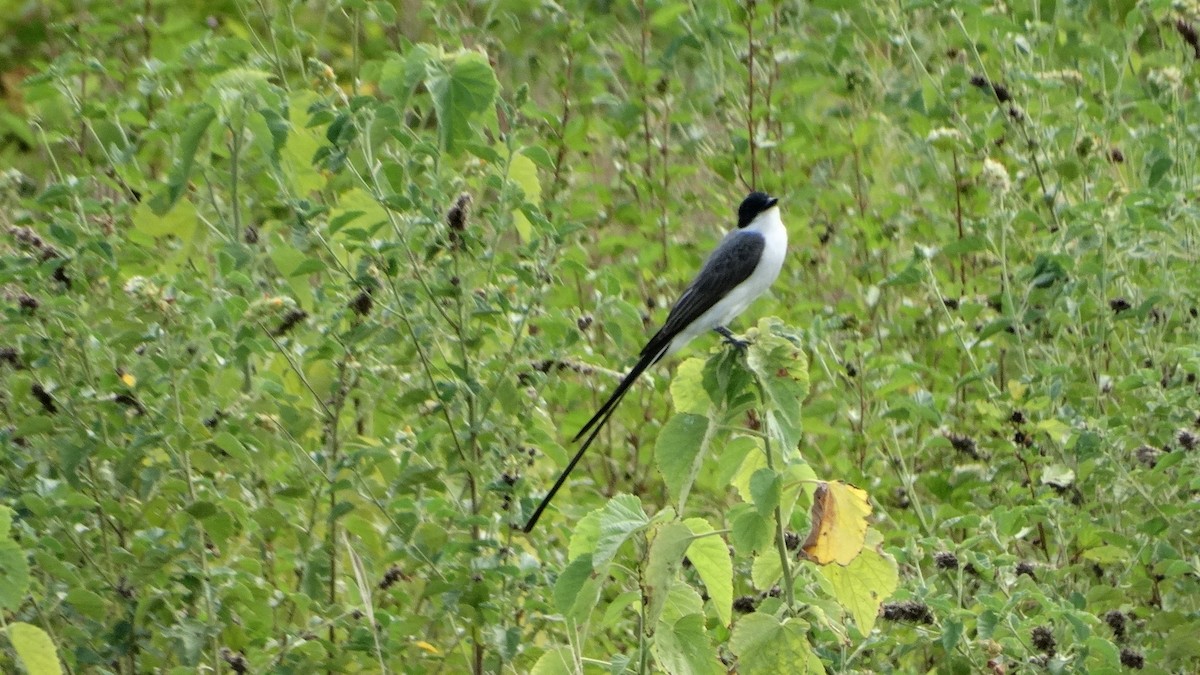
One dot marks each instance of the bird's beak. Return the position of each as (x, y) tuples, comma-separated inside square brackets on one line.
[(772, 202)]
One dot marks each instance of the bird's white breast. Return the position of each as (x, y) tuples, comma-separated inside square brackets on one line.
[(770, 226)]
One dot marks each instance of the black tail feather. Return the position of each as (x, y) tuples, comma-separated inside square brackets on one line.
[(597, 423), (562, 477), (642, 364)]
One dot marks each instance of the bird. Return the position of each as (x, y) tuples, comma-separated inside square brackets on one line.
[(738, 271)]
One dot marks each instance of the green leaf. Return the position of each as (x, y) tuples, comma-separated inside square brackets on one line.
[(577, 589), (711, 559), (781, 370), (863, 585), (185, 157), (665, 559), (687, 388), (668, 14), (679, 453), (35, 649), (14, 575), (6, 515), (202, 509), (88, 603), (766, 569), (585, 536), (1058, 476), (400, 75), (229, 443), (764, 645), (620, 518), (523, 172), (461, 90), (751, 532), (684, 647), (179, 222), (764, 489), (1106, 554)]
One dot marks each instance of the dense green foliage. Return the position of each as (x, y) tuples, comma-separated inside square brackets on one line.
[(301, 303)]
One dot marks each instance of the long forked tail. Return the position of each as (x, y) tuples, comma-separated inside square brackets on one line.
[(595, 425)]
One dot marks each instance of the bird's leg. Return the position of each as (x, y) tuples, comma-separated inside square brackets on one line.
[(730, 339)]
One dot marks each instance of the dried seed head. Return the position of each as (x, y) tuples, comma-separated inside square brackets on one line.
[(1116, 156), (456, 217), (908, 611), (290, 320), (963, 443), (10, 356), (1026, 568), (1119, 305), (1043, 639), (235, 660), (393, 575), (1132, 659), (1147, 455), (1189, 35), (43, 397), (791, 540), (1115, 619), (945, 560), (1187, 439), (362, 303), (745, 604)]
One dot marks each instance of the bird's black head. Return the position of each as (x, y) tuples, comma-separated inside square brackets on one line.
[(754, 204)]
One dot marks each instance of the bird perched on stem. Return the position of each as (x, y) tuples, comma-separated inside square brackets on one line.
[(742, 268)]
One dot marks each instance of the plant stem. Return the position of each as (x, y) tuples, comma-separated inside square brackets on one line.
[(780, 539)]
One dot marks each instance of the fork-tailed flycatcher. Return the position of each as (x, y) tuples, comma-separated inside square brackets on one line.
[(743, 267)]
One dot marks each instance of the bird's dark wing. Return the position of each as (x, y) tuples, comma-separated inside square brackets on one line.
[(732, 263)]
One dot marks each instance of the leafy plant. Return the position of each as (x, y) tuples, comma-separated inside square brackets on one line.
[(299, 301)]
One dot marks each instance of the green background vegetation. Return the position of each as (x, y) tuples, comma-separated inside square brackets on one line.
[(271, 401)]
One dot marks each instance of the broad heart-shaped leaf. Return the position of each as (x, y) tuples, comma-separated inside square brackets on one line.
[(185, 156), (710, 558), (683, 647), (764, 645), (577, 589), (764, 490), (585, 536), (14, 575), (400, 75), (666, 556), (863, 585), (35, 649), (687, 388), (766, 569), (462, 88), (556, 661), (839, 523), (781, 370), (620, 518), (750, 532), (679, 452), (523, 173)]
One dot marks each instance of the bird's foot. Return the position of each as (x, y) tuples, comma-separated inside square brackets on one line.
[(730, 339)]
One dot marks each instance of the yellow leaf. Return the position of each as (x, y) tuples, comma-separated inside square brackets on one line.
[(428, 647), (128, 379), (839, 523), (863, 585), (523, 172), (35, 649)]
